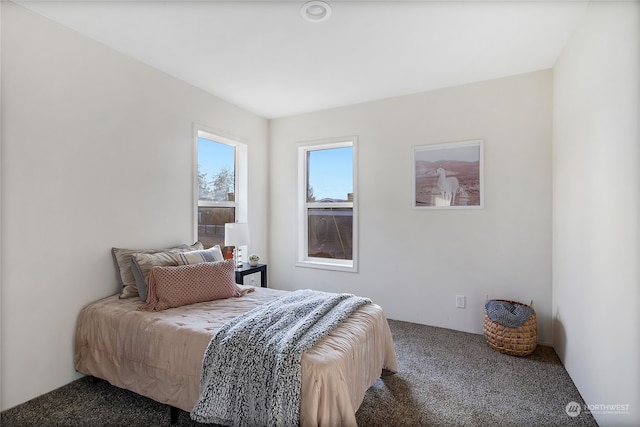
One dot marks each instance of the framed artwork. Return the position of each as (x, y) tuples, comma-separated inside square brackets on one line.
[(448, 176)]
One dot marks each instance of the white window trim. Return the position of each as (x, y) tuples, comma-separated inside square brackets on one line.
[(241, 175), (303, 259)]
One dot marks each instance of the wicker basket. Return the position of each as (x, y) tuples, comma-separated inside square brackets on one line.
[(520, 341)]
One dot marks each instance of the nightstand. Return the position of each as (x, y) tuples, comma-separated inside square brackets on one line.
[(248, 269)]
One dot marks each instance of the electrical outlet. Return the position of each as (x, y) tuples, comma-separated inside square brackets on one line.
[(460, 301)]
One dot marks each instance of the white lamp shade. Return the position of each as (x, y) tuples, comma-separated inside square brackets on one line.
[(236, 234)]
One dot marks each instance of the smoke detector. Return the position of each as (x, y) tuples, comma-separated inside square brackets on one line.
[(315, 11)]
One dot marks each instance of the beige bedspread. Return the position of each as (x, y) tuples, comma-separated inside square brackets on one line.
[(159, 354)]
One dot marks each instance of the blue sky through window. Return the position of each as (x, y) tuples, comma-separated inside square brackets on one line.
[(331, 173), (214, 156), (330, 170)]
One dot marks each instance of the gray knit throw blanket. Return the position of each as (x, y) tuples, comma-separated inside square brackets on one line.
[(251, 369), (508, 314)]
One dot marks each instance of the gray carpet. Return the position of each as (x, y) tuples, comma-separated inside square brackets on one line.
[(446, 378)]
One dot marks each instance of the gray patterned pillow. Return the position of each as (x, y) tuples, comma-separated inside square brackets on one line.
[(122, 261)]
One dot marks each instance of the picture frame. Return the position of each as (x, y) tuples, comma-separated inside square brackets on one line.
[(449, 175)]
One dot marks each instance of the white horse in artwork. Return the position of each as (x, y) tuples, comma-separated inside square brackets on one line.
[(448, 186)]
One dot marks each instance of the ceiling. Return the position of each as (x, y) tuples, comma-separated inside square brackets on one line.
[(264, 57)]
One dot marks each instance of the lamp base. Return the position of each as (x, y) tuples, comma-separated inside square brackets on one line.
[(237, 258)]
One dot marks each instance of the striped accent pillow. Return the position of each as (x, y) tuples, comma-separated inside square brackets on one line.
[(194, 257), (188, 284)]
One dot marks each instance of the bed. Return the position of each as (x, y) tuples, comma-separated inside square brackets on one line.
[(159, 354)]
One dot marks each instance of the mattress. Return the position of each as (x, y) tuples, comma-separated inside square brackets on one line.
[(159, 354)]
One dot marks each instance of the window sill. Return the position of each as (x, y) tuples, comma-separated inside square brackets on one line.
[(324, 264)]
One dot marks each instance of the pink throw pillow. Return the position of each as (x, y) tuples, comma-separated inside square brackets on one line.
[(188, 284)]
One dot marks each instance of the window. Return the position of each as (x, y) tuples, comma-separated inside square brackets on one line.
[(220, 186), (327, 232)]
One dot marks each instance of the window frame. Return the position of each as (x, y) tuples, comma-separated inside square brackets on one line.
[(302, 257), (240, 202)]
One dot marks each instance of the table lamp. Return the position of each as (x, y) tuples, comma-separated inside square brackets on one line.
[(236, 234)]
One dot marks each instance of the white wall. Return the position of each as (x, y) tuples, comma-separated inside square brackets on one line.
[(97, 152), (414, 262), (596, 209)]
